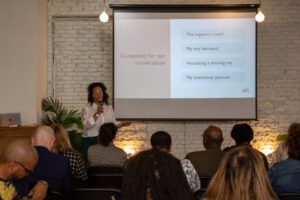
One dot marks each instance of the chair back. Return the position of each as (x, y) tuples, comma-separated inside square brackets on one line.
[(105, 170), (290, 196), (96, 194), (78, 183), (105, 181)]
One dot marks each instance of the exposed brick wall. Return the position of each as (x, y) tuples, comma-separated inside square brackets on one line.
[(79, 56), (278, 70)]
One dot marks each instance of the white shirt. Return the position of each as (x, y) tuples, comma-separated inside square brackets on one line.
[(91, 127), (191, 175)]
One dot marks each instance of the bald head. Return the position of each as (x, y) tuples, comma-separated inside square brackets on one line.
[(18, 158), (19, 150), (212, 137), (43, 136)]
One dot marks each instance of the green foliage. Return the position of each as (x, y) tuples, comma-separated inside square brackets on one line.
[(281, 137), (55, 113)]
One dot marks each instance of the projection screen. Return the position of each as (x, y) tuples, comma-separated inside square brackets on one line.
[(184, 63)]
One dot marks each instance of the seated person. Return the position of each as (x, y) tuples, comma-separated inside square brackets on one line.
[(17, 160), (63, 147), (51, 168), (243, 135), (106, 153), (162, 141), (152, 175), (279, 154), (207, 162), (241, 176), (285, 175)]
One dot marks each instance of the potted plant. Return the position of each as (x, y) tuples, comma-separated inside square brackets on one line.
[(55, 113)]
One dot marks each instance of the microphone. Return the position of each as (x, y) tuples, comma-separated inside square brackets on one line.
[(100, 105)]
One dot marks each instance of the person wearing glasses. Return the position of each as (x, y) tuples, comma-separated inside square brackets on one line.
[(53, 169), (17, 160)]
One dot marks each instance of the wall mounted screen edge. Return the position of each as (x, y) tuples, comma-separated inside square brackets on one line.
[(184, 64)]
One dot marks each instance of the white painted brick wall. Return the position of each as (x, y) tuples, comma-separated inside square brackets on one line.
[(78, 56), (77, 62)]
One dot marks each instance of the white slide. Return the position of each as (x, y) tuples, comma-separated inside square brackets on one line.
[(212, 58), (185, 65)]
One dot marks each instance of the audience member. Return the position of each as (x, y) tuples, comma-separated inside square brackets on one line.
[(243, 135), (279, 154), (63, 147), (162, 141), (207, 162), (285, 175), (52, 168), (17, 160), (106, 153), (241, 176), (155, 175)]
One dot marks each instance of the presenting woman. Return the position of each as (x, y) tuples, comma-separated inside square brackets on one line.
[(95, 113)]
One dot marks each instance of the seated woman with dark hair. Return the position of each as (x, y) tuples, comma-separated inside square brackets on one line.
[(106, 153), (155, 175), (241, 176), (285, 175)]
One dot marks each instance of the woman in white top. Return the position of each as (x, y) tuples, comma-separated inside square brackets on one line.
[(95, 113)]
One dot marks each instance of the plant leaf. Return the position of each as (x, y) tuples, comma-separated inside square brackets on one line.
[(51, 105), (48, 120), (55, 113)]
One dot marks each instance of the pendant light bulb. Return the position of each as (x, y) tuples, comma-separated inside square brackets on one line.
[(259, 17), (103, 17)]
